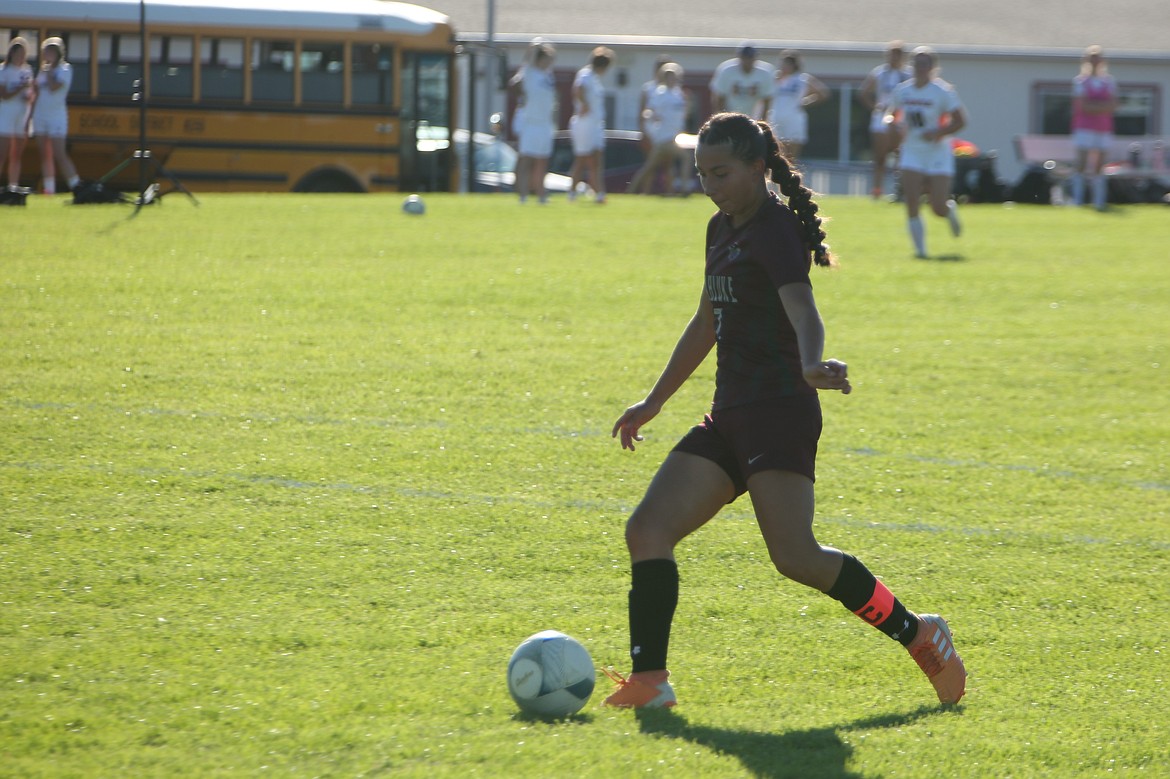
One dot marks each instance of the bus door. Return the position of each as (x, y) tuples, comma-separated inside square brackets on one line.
[(427, 144)]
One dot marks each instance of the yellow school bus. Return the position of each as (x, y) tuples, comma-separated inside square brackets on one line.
[(248, 95)]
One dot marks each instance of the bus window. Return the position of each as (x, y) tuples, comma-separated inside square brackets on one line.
[(172, 68), (322, 72), (372, 81), (273, 71), (119, 64), (34, 46), (77, 55), (222, 68)]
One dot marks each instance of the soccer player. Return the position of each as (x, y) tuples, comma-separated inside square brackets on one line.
[(51, 116), (587, 125), (793, 91), (535, 120), (757, 310), (1094, 101), (664, 117), (929, 112), (18, 91), (743, 84), (875, 95)]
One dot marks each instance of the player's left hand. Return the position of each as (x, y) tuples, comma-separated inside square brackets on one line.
[(829, 375)]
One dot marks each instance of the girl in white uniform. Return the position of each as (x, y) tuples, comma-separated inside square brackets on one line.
[(928, 111), (664, 117), (51, 116), (587, 125), (875, 95), (18, 91), (535, 121), (793, 91)]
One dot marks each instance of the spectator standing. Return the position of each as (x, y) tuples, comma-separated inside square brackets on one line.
[(1094, 101)]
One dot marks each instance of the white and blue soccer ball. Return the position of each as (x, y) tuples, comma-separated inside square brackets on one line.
[(551, 675), (414, 205)]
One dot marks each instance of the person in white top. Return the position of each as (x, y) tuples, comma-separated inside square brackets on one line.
[(644, 94), (664, 117), (875, 95), (51, 116), (587, 125), (535, 121), (18, 92), (929, 111), (793, 91), (743, 85)]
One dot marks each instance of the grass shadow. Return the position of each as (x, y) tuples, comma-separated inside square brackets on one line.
[(943, 258), (815, 753)]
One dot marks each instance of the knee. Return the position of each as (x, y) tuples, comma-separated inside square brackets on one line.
[(645, 539), (812, 568)]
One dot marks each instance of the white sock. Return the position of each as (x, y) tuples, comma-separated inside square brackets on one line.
[(953, 217), (1099, 184), (50, 186), (73, 181), (918, 233)]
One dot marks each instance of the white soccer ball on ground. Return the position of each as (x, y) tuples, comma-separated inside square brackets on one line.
[(551, 675), (414, 205)]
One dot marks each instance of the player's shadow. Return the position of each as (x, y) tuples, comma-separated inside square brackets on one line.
[(943, 258), (815, 753)]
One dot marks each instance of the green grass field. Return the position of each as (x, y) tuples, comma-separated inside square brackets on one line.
[(284, 479)]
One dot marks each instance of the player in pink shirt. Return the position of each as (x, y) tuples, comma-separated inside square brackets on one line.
[(1094, 101)]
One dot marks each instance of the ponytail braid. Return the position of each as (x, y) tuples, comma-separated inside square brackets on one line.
[(800, 198)]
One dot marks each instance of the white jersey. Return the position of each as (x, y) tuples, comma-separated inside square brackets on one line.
[(590, 84), (742, 92), (51, 102), (540, 95), (14, 109), (788, 94), (923, 109), (13, 77), (668, 113), (885, 81)]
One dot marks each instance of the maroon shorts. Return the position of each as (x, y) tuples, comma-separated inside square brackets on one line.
[(772, 435)]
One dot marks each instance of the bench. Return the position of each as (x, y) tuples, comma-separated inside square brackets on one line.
[(1055, 153)]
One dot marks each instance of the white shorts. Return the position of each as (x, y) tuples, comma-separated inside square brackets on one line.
[(936, 159), (878, 123), (588, 135), (1092, 139), (535, 140), (791, 127), (53, 125), (13, 115)]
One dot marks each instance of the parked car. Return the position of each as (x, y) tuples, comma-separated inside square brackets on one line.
[(495, 160), (624, 156)]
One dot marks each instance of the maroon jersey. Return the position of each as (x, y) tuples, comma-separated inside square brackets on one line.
[(757, 354)]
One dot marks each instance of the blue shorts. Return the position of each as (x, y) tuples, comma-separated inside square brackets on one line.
[(779, 434)]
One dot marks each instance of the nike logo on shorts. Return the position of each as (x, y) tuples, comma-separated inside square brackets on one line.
[(752, 460)]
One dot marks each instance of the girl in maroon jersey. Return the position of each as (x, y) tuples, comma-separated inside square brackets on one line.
[(757, 310)]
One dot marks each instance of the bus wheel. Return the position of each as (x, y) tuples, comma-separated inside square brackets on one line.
[(328, 181)]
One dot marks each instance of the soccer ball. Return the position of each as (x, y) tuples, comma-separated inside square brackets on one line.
[(414, 205), (551, 675)]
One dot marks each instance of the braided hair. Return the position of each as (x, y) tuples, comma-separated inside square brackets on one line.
[(751, 140)]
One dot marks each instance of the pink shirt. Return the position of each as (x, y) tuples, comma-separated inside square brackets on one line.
[(1093, 88)]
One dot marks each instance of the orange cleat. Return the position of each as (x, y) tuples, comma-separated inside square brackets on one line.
[(934, 651), (642, 690)]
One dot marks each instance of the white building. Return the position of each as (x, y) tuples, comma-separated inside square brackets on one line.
[(1012, 62)]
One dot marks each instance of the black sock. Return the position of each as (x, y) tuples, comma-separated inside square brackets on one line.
[(653, 598), (859, 591)]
